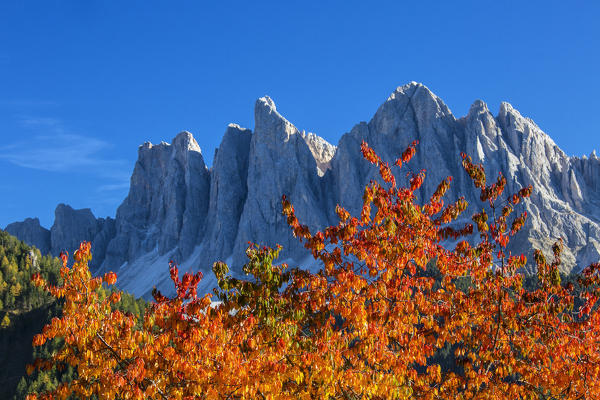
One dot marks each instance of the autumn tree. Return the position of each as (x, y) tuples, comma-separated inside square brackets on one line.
[(403, 287)]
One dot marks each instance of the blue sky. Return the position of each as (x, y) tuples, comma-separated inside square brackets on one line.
[(83, 83)]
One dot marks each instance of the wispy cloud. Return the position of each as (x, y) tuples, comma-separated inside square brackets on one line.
[(57, 150), (27, 103), (46, 143), (112, 187), (46, 122), (63, 153)]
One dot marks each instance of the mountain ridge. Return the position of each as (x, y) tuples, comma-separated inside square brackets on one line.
[(177, 208)]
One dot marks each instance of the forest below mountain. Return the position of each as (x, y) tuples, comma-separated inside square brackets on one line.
[(24, 310)]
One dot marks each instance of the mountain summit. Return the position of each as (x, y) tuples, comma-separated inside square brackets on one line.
[(179, 209)]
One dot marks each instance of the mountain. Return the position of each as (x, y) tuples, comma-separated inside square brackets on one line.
[(69, 229), (31, 232), (179, 209)]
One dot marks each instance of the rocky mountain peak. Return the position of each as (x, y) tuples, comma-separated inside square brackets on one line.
[(66, 211), (235, 126), (414, 104), (31, 232), (478, 107), (507, 109), (72, 227), (510, 118), (184, 141), (167, 202), (270, 126), (267, 103), (420, 98), (277, 147)]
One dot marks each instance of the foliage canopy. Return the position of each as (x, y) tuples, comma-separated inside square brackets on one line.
[(393, 313)]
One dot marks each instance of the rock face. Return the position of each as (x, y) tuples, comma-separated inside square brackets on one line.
[(228, 193), (178, 209), (410, 113), (167, 203), (70, 228), (321, 150), (31, 232), (280, 162)]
